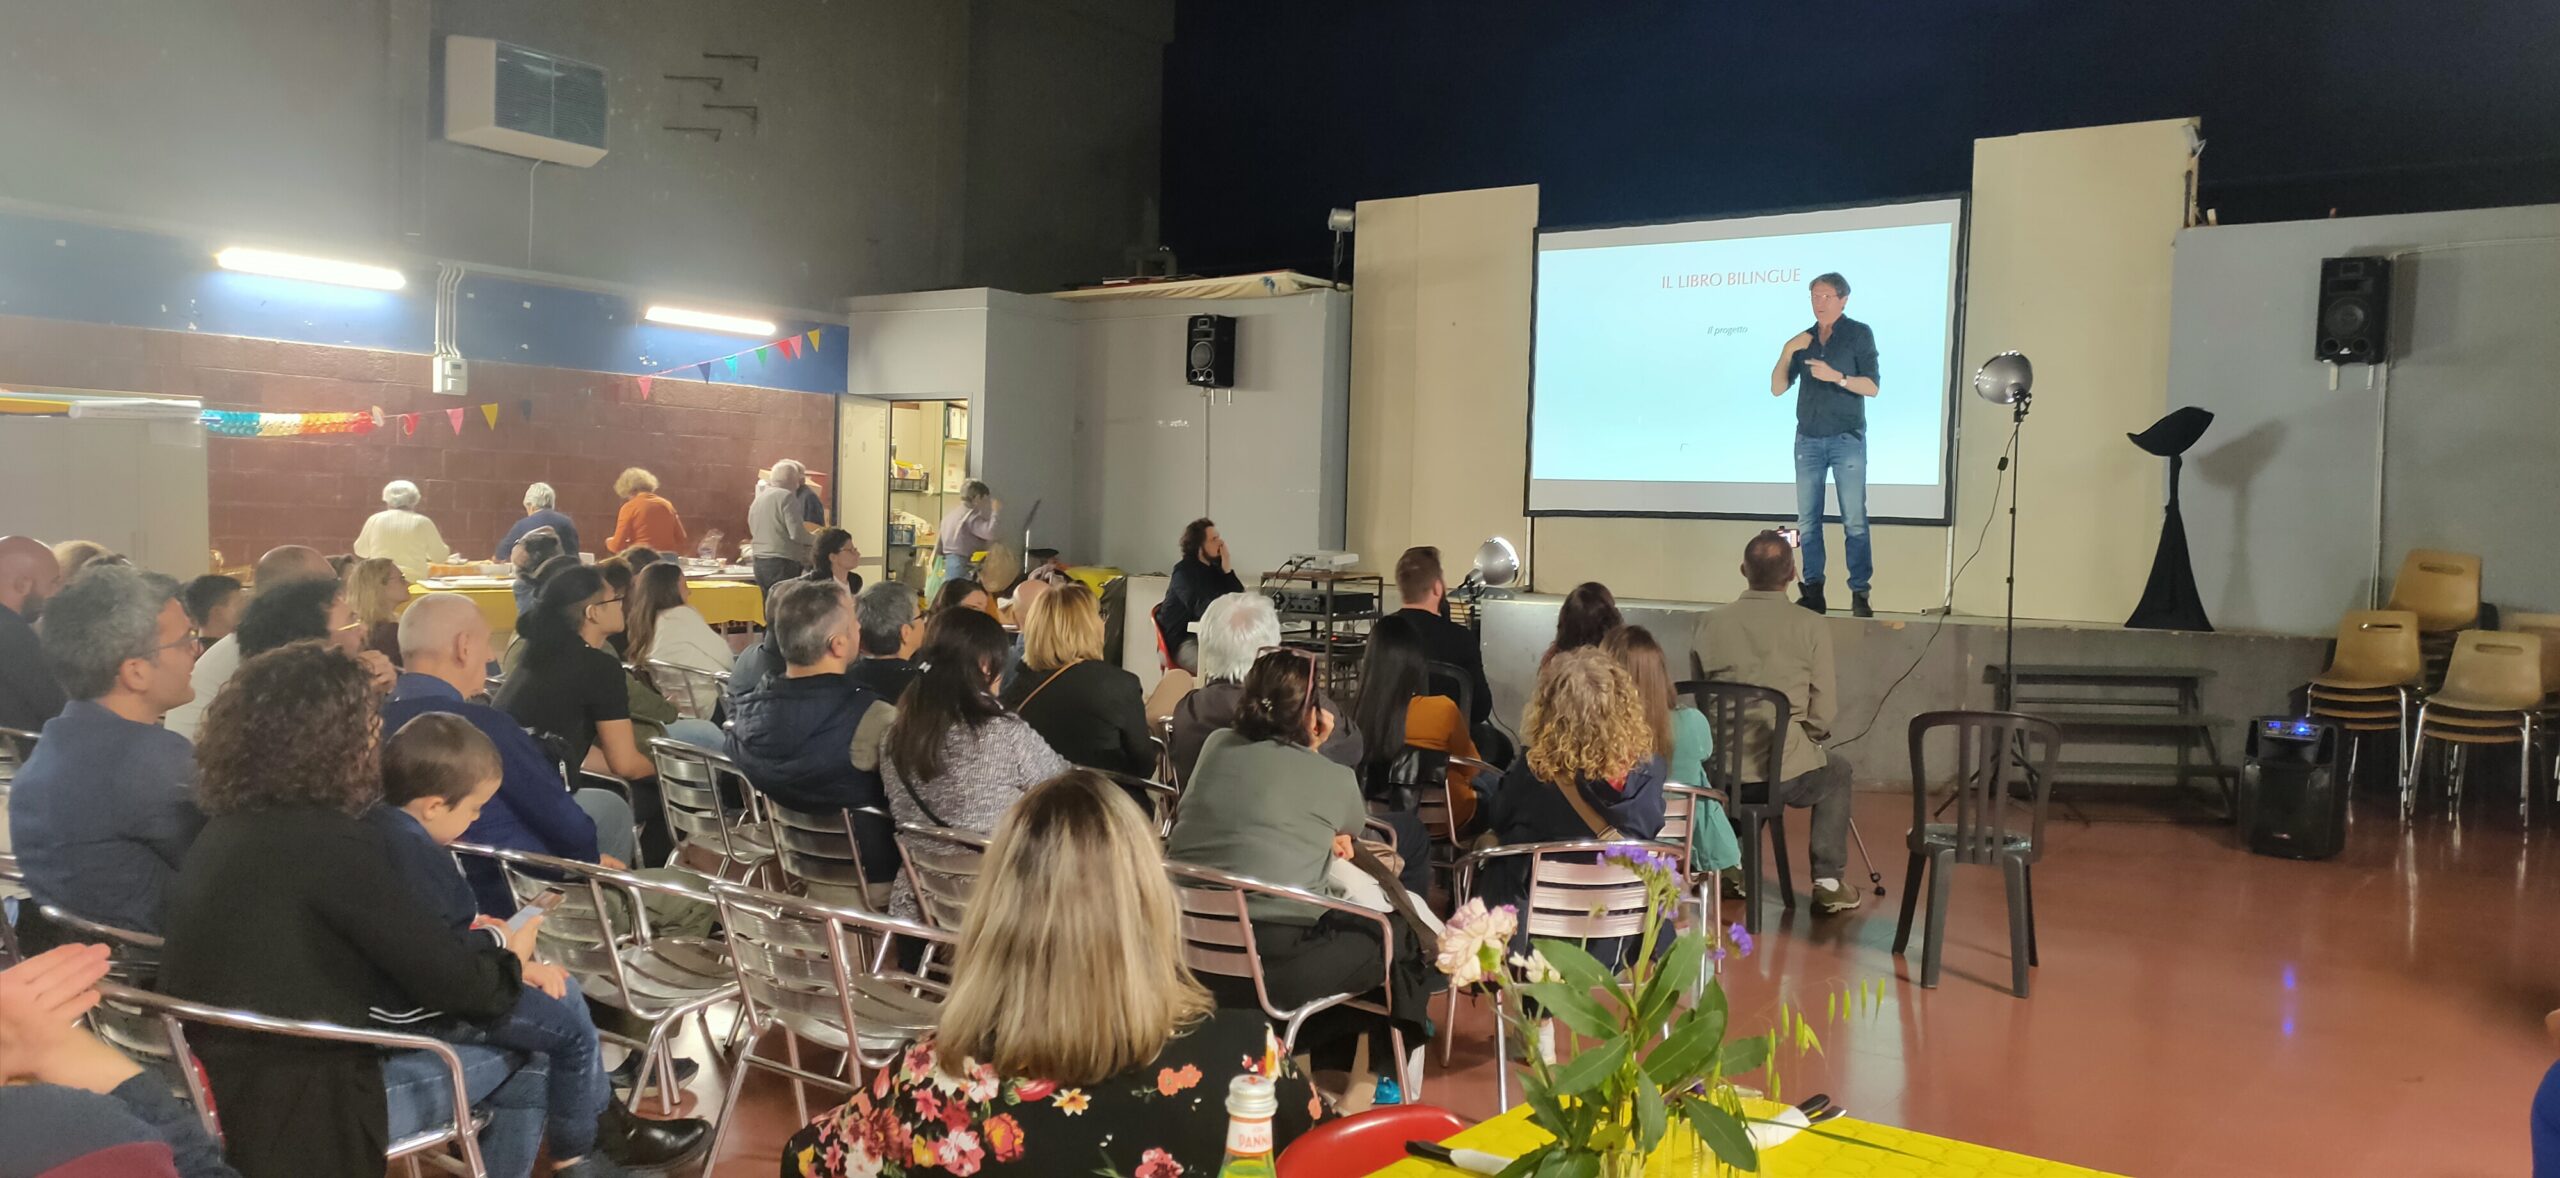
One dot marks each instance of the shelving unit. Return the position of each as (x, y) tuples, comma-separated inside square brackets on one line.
[(1329, 613), (920, 433)]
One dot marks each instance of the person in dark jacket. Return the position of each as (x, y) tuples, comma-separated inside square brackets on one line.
[(289, 905), (1235, 631), (800, 738), (890, 629), (1585, 731), (541, 510), (1089, 710), (1202, 575), (1424, 591), (534, 550)]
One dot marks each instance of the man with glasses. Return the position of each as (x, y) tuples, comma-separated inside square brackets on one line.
[(102, 813)]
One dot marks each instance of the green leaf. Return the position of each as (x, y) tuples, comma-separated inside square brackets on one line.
[(1542, 1101), (1584, 1072), (1678, 975), (1527, 1164), (1581, 968), (1683, 1054), (1565, 1163), (1744, 1056), (1574, 1006), (1651, 1119), (1723, 1133)]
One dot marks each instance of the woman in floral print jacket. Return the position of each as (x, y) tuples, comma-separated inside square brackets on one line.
[(1074, 1041)]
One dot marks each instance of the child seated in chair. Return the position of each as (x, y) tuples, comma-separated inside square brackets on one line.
[(437, 772)]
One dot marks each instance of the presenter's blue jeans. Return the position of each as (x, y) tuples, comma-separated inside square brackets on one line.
[(1844, 458)]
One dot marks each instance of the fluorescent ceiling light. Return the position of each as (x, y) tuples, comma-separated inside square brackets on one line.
[(255, 261), (681, 317)]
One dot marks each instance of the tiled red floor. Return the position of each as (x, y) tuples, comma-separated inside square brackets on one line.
[(2200, 1011)]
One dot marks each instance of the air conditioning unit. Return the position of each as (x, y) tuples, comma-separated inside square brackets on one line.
[(512, 99)]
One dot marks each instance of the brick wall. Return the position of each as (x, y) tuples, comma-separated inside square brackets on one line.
[(705, 442)]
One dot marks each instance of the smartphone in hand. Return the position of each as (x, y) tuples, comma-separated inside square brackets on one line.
[(548, 900)]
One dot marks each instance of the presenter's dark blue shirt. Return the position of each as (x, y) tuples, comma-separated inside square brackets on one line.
[(1825, 409)]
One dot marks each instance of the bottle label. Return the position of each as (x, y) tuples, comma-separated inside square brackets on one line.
[(1248, 1138)]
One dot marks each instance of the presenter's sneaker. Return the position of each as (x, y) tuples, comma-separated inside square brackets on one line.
[(1809, 595), (1831, 896), (1858, 606)]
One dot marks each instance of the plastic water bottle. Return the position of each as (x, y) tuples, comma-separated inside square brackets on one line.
[(1250, 1105)]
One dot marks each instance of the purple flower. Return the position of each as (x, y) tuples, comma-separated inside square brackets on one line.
[(1741, 938), (1641, 860)]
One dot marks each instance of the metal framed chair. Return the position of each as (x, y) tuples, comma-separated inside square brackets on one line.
[(696, 693), (600, 934), (16, 745), (1734, 711), (1570, 896), (460, 1134), (695, 788), (133, 959), (1217, 940), (1160, 798), (821, 854), (942, 868), (13, 893), (2492, 695), (819, 972), (1680, 805), (2373, 681), (1993, 750)]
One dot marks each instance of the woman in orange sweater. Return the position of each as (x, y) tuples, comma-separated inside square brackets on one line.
[(645, 519)]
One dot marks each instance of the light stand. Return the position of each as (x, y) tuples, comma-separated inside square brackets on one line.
[(2007, 379)]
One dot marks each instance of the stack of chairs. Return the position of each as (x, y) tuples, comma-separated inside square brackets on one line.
[(2373, 683), (2492, 695), (2443, 589)]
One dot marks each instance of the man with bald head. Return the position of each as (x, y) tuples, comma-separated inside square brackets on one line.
[(28, 577), (1762, 639), (281, 565), (444, 653)]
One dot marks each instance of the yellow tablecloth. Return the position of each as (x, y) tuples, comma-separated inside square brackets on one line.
[(1805, 1156), (721, 602)]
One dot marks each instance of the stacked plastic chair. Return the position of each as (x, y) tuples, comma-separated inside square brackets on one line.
[(2443, 589), (2373, 684), (2492, 695)]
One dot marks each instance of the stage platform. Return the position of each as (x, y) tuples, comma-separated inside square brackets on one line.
[(2252, 673)]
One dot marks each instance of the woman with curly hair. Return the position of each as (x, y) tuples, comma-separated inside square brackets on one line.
[(289, 905), (1588, 770), (1118, 1055)]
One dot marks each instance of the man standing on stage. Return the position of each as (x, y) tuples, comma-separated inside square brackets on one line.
[(1836, 361)]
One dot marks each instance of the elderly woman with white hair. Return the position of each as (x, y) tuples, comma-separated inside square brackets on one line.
[(1233, 632), (541, 510), (777, 527), (399, 533)]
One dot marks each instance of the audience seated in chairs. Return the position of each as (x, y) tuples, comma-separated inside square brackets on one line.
[(756, 664), (1072, 1033), (1424, 591), (104, 811), (70, 1104), (1762, 639), (1086, 708), (1587, 770), (891, 630), (652, 714), (791, 735), (280, 566), (832, 557), (377, 592), (1236, 629), (571, 692), (307, 611), (438, 771), (954, 756), (1264, 804), (964, 593), (445, 644), (1588, 617), (1682, 738), (213, 603), (28, 577), (1400, 716), (289, 905), (1203, 575), (664, 627), (71, 557)]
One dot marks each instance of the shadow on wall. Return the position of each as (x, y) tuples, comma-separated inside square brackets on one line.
[(2232, 466)]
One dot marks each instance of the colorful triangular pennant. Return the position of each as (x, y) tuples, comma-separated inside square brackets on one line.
[(525, 407), (732, 362), (408, 425), (454, 416), (644, 388), (705, 369), (790, 347), (764, 355), (812, 333), (490, 411)]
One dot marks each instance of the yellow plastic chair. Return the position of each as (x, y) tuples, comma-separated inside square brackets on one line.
[(2373, 681), (2547, 627), (2492, 693), (2442, 588)]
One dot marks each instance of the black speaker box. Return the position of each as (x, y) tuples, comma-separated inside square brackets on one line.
[(2354, 324), (1209, 358), (2293, 803)]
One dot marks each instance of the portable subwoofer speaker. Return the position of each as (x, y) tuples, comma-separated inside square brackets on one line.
[(2293, 804), (2355, 311), (1210, 359)]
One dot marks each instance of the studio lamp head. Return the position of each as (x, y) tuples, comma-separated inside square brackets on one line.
[(1497, 566), (2005, 379)]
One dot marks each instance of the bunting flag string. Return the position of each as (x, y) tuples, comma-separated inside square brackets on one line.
[(792, 347), (235, 424)]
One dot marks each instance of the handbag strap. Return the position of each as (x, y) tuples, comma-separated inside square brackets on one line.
[(1600, 827), (1044, 685)]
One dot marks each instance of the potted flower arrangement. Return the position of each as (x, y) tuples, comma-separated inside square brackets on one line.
[(1656, 1056)]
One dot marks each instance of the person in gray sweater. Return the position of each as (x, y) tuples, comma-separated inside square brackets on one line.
[(954, 756)]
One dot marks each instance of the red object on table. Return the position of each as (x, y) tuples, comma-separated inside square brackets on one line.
[(1363, 1142)]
